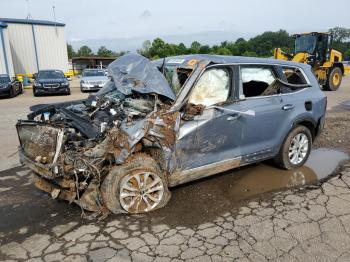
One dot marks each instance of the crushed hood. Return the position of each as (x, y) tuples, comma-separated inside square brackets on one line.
[(135, 73)]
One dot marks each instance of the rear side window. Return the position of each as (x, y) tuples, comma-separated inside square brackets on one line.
[(294, 76), (256, 79)]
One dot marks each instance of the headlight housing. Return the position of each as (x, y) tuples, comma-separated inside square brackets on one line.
[(65, 84), (36, 84)]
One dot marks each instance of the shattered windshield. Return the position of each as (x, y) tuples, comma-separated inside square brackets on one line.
[(133, 73), (305, 43)]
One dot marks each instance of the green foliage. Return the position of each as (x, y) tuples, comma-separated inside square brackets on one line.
[(85, 51), (71, 52), (340, 34), (104, 52), (261, 45), (347, 55)]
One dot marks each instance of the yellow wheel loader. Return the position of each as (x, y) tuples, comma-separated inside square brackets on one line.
[(316, 50)]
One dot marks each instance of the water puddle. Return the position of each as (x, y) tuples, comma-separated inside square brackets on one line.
[(196, 202)]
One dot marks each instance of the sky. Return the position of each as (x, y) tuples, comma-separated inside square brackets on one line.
[(102, 19)]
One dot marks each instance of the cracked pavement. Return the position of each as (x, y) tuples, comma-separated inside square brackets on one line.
[(207, 220), (311, 223)]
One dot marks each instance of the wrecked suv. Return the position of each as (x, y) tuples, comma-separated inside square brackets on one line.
[(159, 124)]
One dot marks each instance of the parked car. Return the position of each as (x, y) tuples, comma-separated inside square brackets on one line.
[(50, 82), (122, 148), (93, 79), (9, 87)]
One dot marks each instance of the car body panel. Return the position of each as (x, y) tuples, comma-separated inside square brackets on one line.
[(122, 120), (12, 87), (51, 85), (93, 83)]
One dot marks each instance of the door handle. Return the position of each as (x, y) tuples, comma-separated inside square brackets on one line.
[(288, 107), (233, 117)]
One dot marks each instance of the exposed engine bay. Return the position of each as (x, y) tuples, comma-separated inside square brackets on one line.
[(72, 146)]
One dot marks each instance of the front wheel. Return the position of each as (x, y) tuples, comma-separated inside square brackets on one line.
[(138, 186), (295, 149)]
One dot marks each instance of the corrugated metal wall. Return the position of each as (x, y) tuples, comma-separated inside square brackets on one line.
[(2, 55), (6, 64), (36, 47), (22, 48), (51, 47)]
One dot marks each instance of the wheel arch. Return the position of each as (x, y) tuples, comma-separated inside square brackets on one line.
[(339, 65), (309, 123)]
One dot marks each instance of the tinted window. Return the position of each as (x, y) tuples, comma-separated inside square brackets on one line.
[(94, 73), (213, 87), (50, 74), (256, 79)]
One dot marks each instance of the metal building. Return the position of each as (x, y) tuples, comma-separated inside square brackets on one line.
[(36, 45), (6, 65)]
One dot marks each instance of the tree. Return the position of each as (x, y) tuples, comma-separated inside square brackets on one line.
[(195, 47), (146, 45), (71, 52), (347, 54), (104, 52), (85, 51), (340, 34)]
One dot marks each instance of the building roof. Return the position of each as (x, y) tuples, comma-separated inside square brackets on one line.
[(29, 21), (3, 25)]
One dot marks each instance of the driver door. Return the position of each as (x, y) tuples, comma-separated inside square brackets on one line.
[(212, 136)]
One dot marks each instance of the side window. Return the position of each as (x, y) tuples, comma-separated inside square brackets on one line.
[(256, 80), (213, 87), (294, 76)]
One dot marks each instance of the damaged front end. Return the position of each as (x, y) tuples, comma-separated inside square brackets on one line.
[(71, 147)]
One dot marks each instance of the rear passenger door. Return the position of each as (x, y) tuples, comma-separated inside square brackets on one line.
[(261, 134)]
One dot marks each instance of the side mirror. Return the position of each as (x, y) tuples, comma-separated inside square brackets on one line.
[(14, 79), (35, 76)]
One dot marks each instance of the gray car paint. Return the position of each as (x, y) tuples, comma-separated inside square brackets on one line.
[(210, 138)]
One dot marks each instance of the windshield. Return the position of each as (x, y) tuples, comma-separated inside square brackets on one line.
[(50, 75), (4, 79), (305, 43), (176, 76), (94, 73)]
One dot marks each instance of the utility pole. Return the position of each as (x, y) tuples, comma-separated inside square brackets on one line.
[(29, 16), (54, 18)]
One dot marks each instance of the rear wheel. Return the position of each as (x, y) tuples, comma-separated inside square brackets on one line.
[(295, 149), (138, 186), (334, 79)]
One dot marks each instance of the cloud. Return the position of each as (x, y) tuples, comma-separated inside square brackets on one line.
[(145, 14)]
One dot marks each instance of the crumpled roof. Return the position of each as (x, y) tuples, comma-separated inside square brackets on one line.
[(135, 73)]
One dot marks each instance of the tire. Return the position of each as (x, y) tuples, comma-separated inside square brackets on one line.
[(283, 159), (125, 176), (68, 92), (35, 93), (21, 88), (12, 92), (334, 79)]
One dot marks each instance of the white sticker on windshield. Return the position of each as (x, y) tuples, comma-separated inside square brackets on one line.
[(175, 61)]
